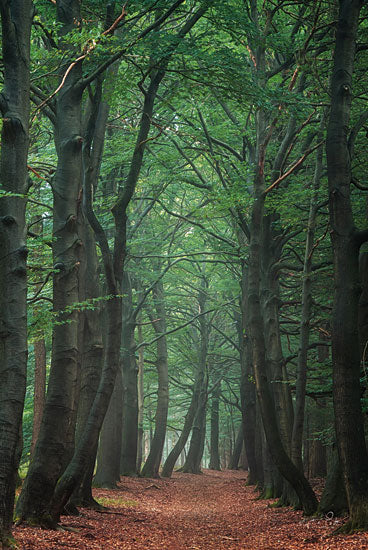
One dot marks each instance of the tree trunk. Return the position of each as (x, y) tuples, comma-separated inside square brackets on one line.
[(39, 390), (140, 443), (151, 467), (193, 459), (238, 447), (248, 389), (363, 308), (128, 464), (53, 446), (333, 499), (214, 441), (256, 331), (178, 448), (195, 452), (109, 450), (16, 19), (92, 356), (346, 241), (301, 382)]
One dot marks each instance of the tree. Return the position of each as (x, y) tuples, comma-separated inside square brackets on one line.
[(346, 241), (16, 20)]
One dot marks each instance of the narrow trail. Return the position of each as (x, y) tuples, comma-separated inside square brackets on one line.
[(213, 511)]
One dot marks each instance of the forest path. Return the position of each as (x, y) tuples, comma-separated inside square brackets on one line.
[(213, 511)]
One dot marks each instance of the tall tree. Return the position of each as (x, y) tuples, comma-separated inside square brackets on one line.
[(16, 20), (346, 241)]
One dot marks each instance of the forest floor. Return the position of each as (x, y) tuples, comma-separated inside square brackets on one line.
[(213, 511)]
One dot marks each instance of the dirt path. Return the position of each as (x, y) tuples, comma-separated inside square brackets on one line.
[(214, 511)]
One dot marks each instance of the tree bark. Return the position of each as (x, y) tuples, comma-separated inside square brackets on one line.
[(140, 443), (128, 464), (238, 446), (16, 20), (193, 459), (346, 241), (214, 441), (53, 446), (109, 450), (301, 382), (152, 465), (92, 356), (39, 390)]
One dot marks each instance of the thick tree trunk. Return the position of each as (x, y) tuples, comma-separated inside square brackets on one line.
[(53, 446), (152, 465), (16, 19), (363, 308), (346, 241), (334, 498)]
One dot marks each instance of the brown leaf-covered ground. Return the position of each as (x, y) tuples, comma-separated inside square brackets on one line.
[(213, 511)]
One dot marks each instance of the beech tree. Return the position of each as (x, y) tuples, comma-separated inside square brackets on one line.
[(16, 20), (346, 241), (181, 142)]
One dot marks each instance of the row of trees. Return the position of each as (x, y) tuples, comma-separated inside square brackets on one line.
[(164, 165)]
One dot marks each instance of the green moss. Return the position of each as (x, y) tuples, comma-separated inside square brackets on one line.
[(117, 502)]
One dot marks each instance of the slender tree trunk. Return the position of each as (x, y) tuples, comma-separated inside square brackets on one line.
[(301, 382), (39, 389), (151, 467), (238, 446), (195, 452), (16, 19), (193, 459), (214, 441), (346, 241), (128, 465), (179, 446), (92, 356), (109, 450), (140, 443)]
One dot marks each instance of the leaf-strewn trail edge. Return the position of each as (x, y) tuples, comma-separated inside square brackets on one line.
[(213, 511)]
